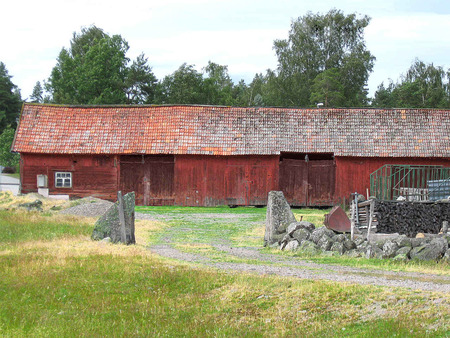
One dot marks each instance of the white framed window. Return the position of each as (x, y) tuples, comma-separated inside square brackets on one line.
[(63, 179)]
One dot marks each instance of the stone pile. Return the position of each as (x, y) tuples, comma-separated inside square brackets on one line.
[(304, 237)]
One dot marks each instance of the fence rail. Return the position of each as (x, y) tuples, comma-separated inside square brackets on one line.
[(414, 183)]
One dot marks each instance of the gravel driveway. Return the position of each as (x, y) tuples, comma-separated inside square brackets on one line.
[(271, 264)]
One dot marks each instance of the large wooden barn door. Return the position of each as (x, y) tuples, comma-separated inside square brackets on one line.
[(150, 177), (307, 180)]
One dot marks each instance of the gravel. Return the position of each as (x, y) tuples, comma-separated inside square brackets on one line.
[(274, 264)]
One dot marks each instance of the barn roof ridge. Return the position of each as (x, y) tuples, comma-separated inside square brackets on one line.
[(198, 129)]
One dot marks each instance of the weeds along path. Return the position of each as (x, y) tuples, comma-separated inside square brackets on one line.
[(225, 241), (274, 265)]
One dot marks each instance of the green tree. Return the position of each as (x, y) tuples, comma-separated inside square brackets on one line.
[(328, 89), (383, 96), (7, 158), (95, 70), (37, 96), (317, 43), (423, 86), (140, 82), (184, 86), (10, 100), (217, 86)]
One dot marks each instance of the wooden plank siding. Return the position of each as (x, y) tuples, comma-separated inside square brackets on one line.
[(206, 180), (151, 177), (91, 175), (224, 180)]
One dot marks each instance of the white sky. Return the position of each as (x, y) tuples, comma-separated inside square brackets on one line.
[(236, 33)]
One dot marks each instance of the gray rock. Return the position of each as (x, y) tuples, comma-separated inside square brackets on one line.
[(341, 238), (349, 244), (278, 217), (440, 243), (446, 257), (400, 258), (307, 225), (360, 240), (373, 251), (292, 246), (309, 248), (404, 251), (325, 243), (293, 227), (301, 235), (416, 242), (318, 233), (108, 225), (338, 247), (403, 241), (353, 253), (429, 251), (106, 240), (390, 249), (30, 206)]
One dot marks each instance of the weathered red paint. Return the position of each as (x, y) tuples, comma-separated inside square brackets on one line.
[(150, 177), (203, 180), (91, 175), (224, 180), (307, 182)]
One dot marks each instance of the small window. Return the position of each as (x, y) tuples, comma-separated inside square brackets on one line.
[(63, 180)]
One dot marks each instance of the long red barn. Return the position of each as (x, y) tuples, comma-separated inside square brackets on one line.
[(210, 155)]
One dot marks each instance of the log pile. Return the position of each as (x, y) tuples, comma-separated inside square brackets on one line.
[(410, 218)]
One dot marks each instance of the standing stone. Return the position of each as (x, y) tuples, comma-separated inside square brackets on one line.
[(109, 225), (278, 217)]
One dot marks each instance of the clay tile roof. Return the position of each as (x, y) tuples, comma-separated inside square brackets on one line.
[(232, 131)]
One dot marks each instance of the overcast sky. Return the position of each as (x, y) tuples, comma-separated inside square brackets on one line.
[(236, 33)]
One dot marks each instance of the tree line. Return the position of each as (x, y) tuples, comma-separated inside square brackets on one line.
[(324, 59)]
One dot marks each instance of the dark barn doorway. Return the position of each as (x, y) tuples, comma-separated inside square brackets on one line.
[(150, 177), (307, 179)]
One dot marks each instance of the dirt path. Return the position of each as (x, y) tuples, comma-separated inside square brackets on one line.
[(283, 266)]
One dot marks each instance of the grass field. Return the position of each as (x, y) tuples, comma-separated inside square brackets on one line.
[(55, 281)]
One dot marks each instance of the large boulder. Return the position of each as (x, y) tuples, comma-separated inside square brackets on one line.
[(278, 217), (430, 251), (109, 224)]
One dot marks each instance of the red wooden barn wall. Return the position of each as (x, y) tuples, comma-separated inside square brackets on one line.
[(151, 177), (224, 180), (353, 173), (195, 180), (91, 175)]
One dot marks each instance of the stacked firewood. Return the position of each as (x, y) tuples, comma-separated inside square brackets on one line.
[(411, 218)]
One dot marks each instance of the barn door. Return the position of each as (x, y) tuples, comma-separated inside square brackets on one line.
[(294, 181), (308, 180), (150, 177)]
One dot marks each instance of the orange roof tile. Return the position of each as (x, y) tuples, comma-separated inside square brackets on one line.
[(232, 131)]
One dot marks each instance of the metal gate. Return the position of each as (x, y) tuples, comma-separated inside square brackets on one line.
[(412, 182)]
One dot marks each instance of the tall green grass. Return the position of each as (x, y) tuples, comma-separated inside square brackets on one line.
[(25, 226), (99, 289)]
